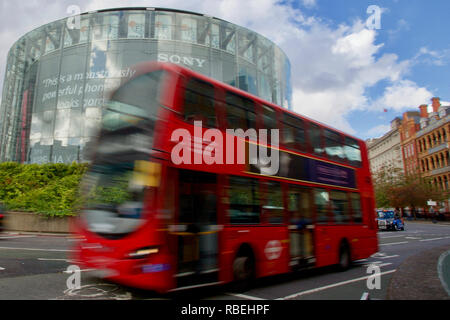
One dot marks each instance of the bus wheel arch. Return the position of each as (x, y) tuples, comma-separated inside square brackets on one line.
[(244, 267), (344, 255)]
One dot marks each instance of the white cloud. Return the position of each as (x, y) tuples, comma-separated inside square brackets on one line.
[(332, 67), (404, 94), (309, 3), (379, 130)]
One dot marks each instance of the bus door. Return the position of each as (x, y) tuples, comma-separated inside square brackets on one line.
[(197, 231), (301, 227)]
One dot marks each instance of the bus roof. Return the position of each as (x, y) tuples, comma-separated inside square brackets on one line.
[(153, 65)]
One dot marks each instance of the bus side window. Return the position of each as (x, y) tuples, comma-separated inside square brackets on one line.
[(316, 138), (244, 200), (294, 134), (299, 206), (352, 151), (274, 208), (321, 201), (333, 146), (269, 121), (199, 103), (340, 206), (356, 208), (240, 112)]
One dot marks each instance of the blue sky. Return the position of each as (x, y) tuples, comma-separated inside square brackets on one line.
[(343, 73)]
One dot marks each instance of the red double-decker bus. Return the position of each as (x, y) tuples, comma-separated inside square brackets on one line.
[(156, 223)]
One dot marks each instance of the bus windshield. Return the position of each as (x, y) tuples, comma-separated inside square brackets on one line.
[(121, 173)]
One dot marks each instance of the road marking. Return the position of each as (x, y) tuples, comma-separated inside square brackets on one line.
[(240, 295), (81, 270), (302, 293), (413, 238), (433, 239), (45, 259), (36, 249), (387, 257), (392, 237), (390, 244), (365, 296), (384, 264), (16, 237), (1, 269)]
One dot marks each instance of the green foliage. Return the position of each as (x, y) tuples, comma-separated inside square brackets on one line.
[(395, 189), (49, 189)]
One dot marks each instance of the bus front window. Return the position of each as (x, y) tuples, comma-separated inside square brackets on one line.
[(122, 173)]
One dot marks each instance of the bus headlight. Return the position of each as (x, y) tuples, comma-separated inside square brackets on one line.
[(143, 252)]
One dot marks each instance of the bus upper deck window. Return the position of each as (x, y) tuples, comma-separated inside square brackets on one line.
[(294, 135), (352, 151), (199, 103), (316, 138), (240, 112), (333, 145)]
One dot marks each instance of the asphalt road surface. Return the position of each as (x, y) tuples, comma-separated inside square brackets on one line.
[(35, 267)]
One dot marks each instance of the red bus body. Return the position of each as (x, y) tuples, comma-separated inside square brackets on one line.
[(161, 234)]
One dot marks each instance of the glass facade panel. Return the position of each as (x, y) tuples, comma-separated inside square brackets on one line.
[(136, 25), (57, 77), (164, 26)]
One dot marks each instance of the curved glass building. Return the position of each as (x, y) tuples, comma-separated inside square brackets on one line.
[(58, 75)]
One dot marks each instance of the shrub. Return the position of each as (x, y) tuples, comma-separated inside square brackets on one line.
[(49, 189)]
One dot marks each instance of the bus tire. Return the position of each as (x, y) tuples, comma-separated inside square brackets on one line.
[(244, 272), (344, 256)]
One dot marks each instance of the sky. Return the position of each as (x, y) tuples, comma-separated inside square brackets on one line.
[(356, 64)]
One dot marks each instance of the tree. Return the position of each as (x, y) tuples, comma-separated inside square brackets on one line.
[(395, 189)]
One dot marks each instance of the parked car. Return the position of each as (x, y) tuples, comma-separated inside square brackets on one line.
[(388, 220)]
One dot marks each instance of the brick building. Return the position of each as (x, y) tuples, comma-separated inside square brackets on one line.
[(433, 143), (408, 129)]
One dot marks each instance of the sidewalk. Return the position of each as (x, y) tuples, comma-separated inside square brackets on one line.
[(417, 278), (426, 221)]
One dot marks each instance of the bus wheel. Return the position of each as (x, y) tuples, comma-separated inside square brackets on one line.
[(244, 271), (344, 256)]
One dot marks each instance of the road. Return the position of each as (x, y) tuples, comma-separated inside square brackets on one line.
[(34, 267)]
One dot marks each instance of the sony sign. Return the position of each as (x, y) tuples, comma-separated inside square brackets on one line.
[(188, 61)]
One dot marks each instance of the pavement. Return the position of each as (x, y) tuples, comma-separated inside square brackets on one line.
[(424, 276)]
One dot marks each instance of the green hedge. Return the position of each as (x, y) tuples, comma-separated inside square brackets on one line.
[(49, 189)]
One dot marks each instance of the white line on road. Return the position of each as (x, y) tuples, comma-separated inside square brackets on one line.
[(240, 295), (365, 296), (434, 239), (413, 238), (384, 264), (392, 237), (45, 259), (36, 249), (387, 257), (331, 286), (390, 244), (82, 270), (1, 269), (16, 237)]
